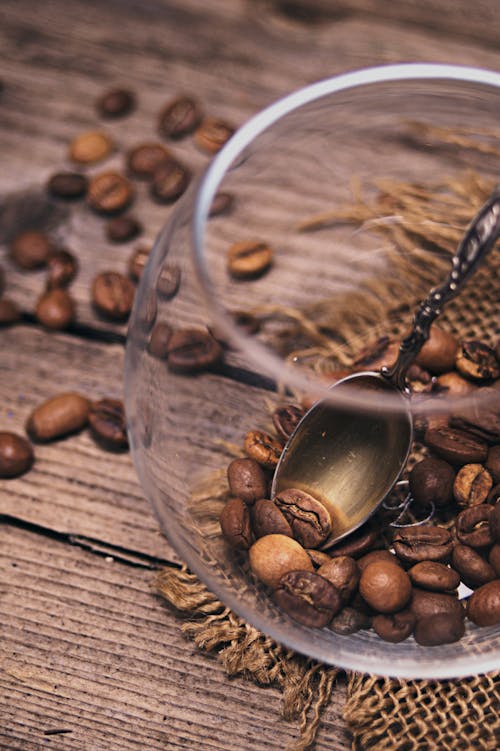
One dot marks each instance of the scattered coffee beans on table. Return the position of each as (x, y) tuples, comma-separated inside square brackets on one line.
[(115, 103)]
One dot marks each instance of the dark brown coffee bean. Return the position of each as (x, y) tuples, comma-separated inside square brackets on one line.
[(179, 117), (358, 543), (494, 496), (343, 573), (109, 193), (62, 268), (377, 354), (169, 181), (454, 384), (477, 361), (431, 481), (9, 312), (222, 204), (423, 543), (235, 524), (492, 463), (434, 576), (481, 418), (212, 134), (494, 522), (286, 418), (494, 559), (62, 414), (91, 147), (30, 250), (472, 567), (158, 341), (377, 555), (472, 526), (439, 351), (192, 350), (267, 519), (272, 556), (55, 309), (425, 603), (108, 424), (16, 455), (113, 295), (263, 448), (472, 485), (385, 586), (307, 598), (67, 185), (143, 160), (456, 446), (247, 480), (394, 627), (248, 323), (115, 103), (169, 281), (249, 259), (121, 229), (483, 606), (310, 521), (317, 557), (349, 621), (2, 281), (138, 260), (442, 628)]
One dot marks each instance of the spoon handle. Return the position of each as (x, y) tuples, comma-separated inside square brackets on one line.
[(477, 242)]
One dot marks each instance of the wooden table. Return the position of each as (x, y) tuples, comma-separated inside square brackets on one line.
[(89, 657)]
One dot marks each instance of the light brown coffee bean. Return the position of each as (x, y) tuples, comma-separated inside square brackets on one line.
[(307, 598), (108, 424), (286, 418), (138, 260), (192, 350), (267, 519), (434, 576), (16, 454), (425, 603), (273, 556), (247, 480), (424, 542), (115, 103), (249, 260), (179, 117), (477, 361), (91, 147), (385, 586), (235, 524), (454, 384), (31, 249), (109, 193), (472, 567), (394, 627), (483, 606), (442, 628), (62, 268), (55, 309), (144, 159), (263, 448), (492, 463), (377, 555), (58, 416), (431, 481), (212, 133), (169, 281), (439, 351), (472, 485), (343, 573), (456, 446), (158, 341), (472, 526), (9, 312), (113, 295), (310, 521)]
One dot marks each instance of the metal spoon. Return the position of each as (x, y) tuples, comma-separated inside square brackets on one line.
[(349, 459)]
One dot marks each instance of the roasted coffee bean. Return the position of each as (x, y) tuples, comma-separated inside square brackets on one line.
[(109, 193), (247, 480), (273, 556), (143, 160), (423, 543), (477, 361), (377, 555), (385, 586), (420, 381), (55, 309), (472, 485), (91, 147), (158, 341), (483, 606), (439, 351), (68, 185), (472, 567), (263, 448), (381, 352), (454, 384), (2, 281), (343, 573), (424, 604), (359, 542), (492, 463), (442, 628), (394, 627), (286, 419), (494, 522), (456, 446), (115, 103), (169, 181), (494, 559), (113, 295), (235, 524), (138, 260), (16, 454), (481, 417), (62, 414), (212, 134), (169, 281), (349, 621), (472, 526), (317, 557), (179, 117), (307, 598), (267, 519), (62, 268), (121, 229), (221, 204), (434, 576), (246, 322), (9, 312), (310, 521), (192, 350), (108, 424), (431, 481), (494, 496), (249, 259), (31, 249)]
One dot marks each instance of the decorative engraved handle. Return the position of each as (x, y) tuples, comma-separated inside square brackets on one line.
[(476, 244)]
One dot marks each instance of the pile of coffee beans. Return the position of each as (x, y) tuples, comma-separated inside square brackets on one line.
[(399, 581)]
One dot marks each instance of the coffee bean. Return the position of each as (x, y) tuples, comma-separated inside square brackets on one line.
[(310, 521), (273, 556), (138, 260), (349, 621), (179, 117), (385, 586), (31, 249), (317, 557), (358, 543), (434, 576), (121, 229), (2, 281), (235, 524), (247, 480), (472, 485), (419, 380), (109, 193), (423, 543), (169, 181), (91, 147), (381, 352), (307, 598), (377, 555), (115, 103), (394, 627), (55, 309), (483, 606), (492, 463), (431, 481), (442, 628), (142, 160), (62, 414), (439, 351), (192, 350), (267, 519), (343, 572), (9, 312), (494, 559), (472, 567), (481, 418), (16, 455), (221, 204), (263, 448), (494, 496), (169, 281), (494, 522), (246, 322), (158, 341), (456, 446), (286, 418), (62, 268), (249, 260), (424, 604), (113, 295), (477, 361), (108, 424), (454, 384), (212, 134), (67, 185), (472, 526)]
